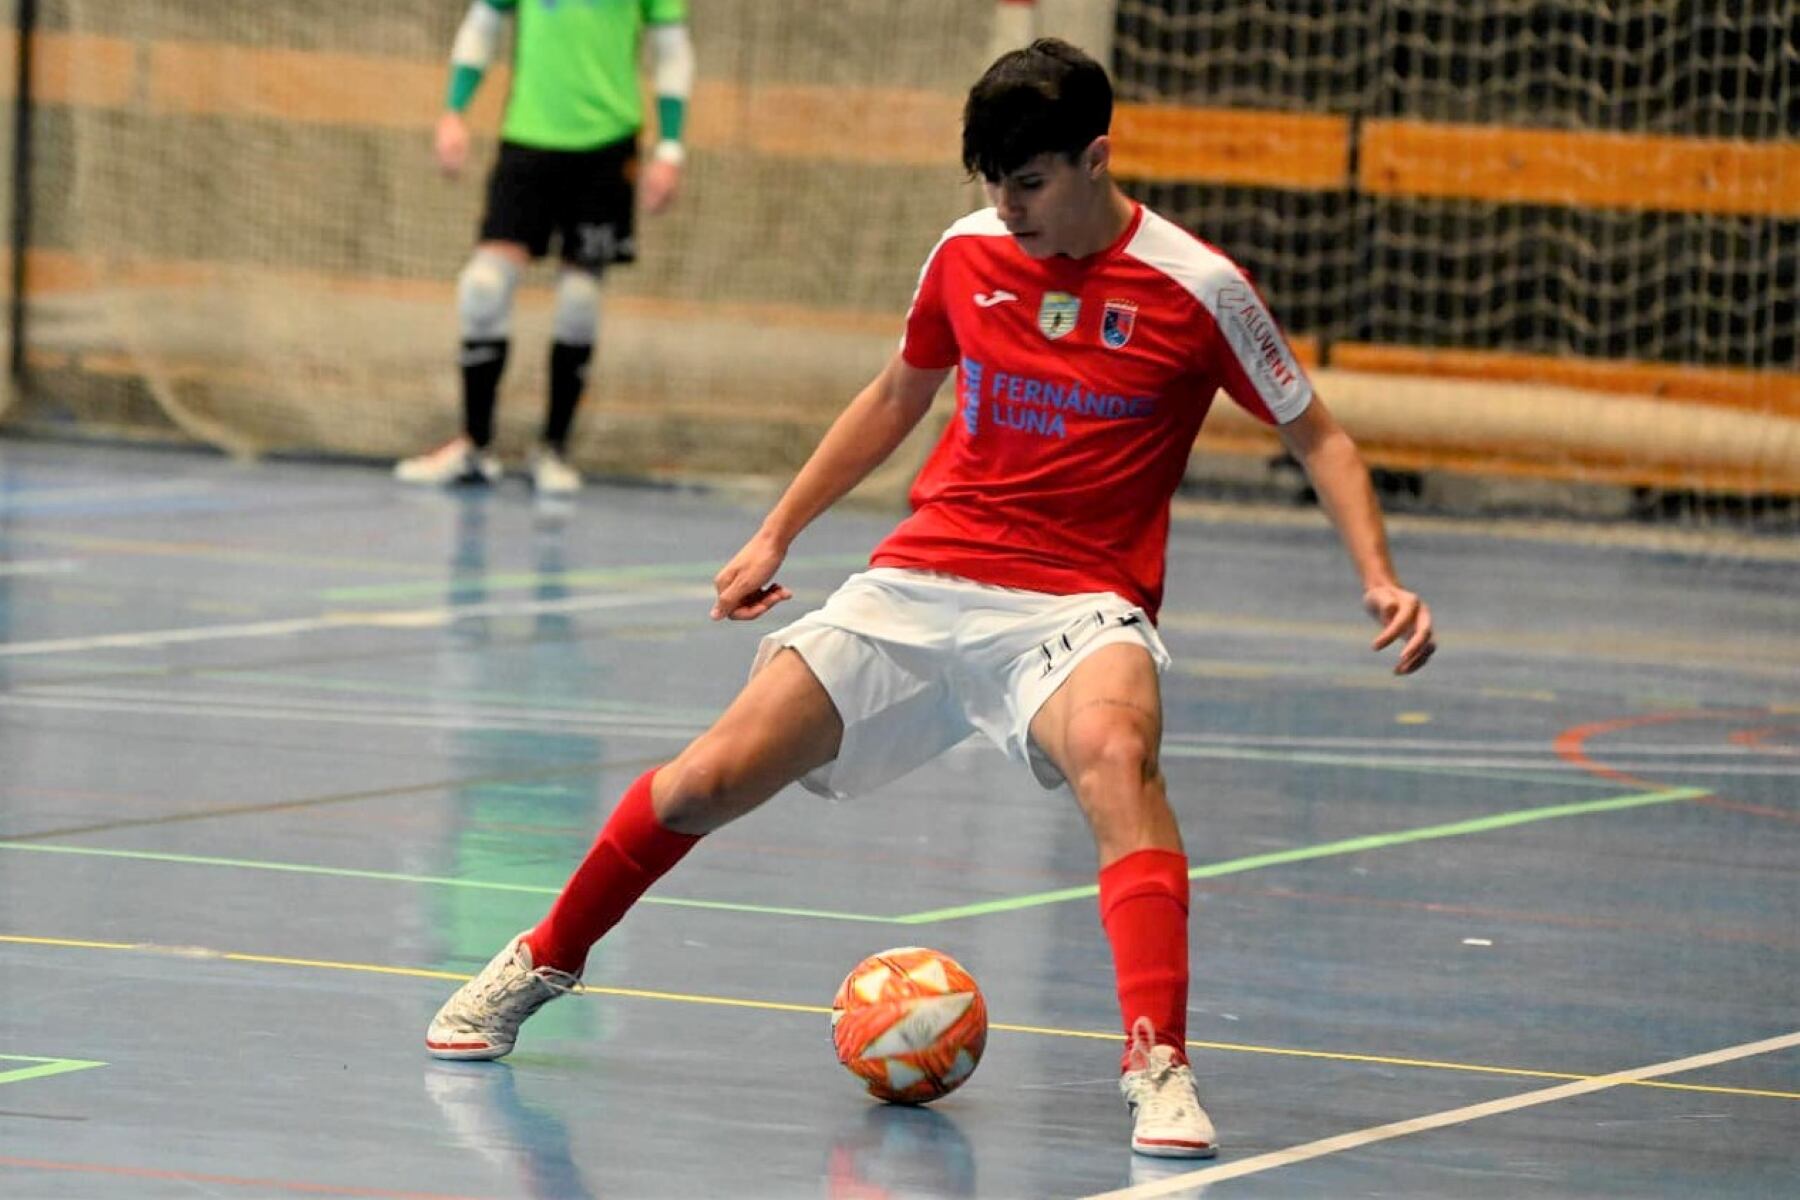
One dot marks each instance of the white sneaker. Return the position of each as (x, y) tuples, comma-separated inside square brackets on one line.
[(1167, 1120), (456, 461), (482, 1019), (551, 474)]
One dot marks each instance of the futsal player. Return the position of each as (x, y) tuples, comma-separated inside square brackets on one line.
[(1089, 335), (567, 170)]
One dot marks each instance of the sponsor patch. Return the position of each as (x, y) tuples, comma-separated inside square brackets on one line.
[(1261, 349)]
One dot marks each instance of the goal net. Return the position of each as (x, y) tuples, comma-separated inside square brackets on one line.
[(249, 244), (1515, 241), (1568, 236)]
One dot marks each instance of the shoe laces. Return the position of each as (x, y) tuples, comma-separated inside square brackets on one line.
[(1156, 1080), (515, 991)]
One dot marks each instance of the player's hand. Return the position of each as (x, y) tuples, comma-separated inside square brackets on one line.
[(658, 185), (746, 585), (1402, 614), (452, 144)]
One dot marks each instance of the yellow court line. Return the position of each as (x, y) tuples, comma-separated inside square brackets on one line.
[(821, 1010)]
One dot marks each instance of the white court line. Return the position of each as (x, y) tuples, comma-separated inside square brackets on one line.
[(539, 714), (50, 497), (40, 566), (1489, 746), (413, 618), (622, 726), (1187, 1183), (1448, 762), (165, 703)]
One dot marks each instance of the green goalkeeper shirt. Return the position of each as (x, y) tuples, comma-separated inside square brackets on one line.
[(575, 69)]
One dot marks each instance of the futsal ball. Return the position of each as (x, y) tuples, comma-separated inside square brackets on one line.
[(910, 1023)]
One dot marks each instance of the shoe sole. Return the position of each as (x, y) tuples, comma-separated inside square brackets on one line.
[(1173, 1149), (465, 1052)]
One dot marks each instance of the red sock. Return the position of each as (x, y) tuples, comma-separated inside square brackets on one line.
[(1144, 907), (632, 852)]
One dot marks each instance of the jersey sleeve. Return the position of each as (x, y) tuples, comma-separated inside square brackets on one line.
[(930, 340), (1256, 365), (665, 12)]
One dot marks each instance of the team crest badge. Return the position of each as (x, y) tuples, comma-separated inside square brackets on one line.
[(1057, 314), (1116, 323)]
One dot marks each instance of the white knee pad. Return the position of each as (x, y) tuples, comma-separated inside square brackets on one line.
[(484, 296), (577, 308)]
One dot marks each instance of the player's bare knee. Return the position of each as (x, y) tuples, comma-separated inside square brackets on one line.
[(1105, 753), (484, 295)]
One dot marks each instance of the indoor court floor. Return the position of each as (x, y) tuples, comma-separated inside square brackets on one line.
[(287, 751)]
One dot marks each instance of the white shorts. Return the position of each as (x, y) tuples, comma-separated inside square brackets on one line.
[(916, 662)]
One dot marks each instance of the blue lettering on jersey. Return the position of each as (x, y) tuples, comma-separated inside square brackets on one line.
[(1040, 406), (971, 396)]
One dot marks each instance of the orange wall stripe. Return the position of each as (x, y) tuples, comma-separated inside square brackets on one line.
[(1776, 392), (1300, 151), (1595, 170), (73, 68), (213, 79)]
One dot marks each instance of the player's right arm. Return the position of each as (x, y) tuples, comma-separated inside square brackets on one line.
[(477, 42), (861, 438)]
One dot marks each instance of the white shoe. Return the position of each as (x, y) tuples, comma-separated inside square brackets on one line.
[(1167, 1120), (456, 461), (551, 474), (482, 1019)]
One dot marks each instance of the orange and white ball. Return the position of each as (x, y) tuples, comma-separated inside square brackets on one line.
[(910, 1023)]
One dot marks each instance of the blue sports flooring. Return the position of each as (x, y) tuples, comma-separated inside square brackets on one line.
[(286, 751)]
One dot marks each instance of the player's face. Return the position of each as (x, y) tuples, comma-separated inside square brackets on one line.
[(1047, 205)]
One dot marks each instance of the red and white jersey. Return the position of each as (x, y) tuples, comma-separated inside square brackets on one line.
[(1081, 385)]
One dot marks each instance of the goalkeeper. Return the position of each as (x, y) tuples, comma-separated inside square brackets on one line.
[(568, 170)]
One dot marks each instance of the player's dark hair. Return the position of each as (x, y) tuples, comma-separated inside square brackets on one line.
[(1049, 98)]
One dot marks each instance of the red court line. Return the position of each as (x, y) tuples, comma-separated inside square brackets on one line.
[(285, 1185), (1570, 746)]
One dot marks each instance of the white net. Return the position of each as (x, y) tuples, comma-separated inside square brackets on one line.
[(1594, 204), (9, 19), (1589, 213), (250, 231)]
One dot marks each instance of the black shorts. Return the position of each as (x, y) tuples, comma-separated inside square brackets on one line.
[(584, 197)]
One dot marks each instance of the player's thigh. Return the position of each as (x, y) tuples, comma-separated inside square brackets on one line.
[(1106, 716), (782, 725), (521, 199)]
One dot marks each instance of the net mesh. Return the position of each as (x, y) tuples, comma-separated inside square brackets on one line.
[(9, 18), (252, 245), (1519, 190), (241, 237)]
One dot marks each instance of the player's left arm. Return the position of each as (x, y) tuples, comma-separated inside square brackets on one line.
[(672, 82), (1338, 475)]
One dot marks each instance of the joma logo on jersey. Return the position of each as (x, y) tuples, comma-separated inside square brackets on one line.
[(1252, 332), (1057, 314)]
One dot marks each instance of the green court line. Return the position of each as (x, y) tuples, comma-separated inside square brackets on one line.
[(599, 577), (1235, 866), (45, 1067), (1357, 845), (585, 706)]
